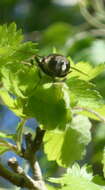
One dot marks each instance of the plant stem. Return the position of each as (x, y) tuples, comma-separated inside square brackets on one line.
[(10, 146), (19, 134), (32, 146), (18, 176), (20, 180)]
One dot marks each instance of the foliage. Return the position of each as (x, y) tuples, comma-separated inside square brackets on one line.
[(64, 142), (77, 177), (62, 107)]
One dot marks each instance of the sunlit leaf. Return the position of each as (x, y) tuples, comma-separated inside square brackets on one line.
[(84, 93), (50, 105), (13, 104), (87, 71), (59, 145)]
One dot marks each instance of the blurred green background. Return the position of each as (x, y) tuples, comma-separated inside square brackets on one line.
[(75, 28)]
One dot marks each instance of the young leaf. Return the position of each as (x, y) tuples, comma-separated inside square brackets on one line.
[(10, 35), (11, 48), (91, 72), (59, 145), (15, 105), (96, 113), (20, 80), (77, 178), (50, 105), (84, 94), (10, 40), (23, 52)]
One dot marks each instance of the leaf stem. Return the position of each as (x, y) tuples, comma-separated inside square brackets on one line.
[(19, 134), (8, 145)]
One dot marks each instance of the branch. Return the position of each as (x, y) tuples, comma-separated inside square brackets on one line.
[(17, 169), (32, 146), (12, 162), (18, 176), (38, 184), (21, 180), (10, 146), (37, 171), (38, 175), (38, 139)]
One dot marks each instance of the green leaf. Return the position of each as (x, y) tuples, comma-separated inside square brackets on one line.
[(11, 48), (96, 113), (99, 180), (84, 94), (15, 105), (59, 145), (81, 185), (90, 72), (9, 35), (20, 80), (10, 40), (83, 172), (50, 105), (26, 81), (23, 52), (14, 62), (77, 178), (99, 143), (49, 187)]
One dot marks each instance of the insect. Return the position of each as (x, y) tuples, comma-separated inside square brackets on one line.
[(55, 65)]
